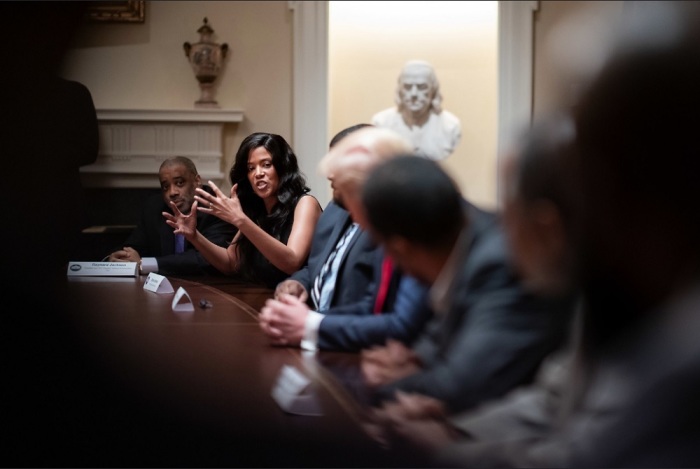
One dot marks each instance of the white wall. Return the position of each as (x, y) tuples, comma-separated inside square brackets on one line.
[(143, 66)]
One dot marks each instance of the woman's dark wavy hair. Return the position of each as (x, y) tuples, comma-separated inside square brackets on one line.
[(292, 186)]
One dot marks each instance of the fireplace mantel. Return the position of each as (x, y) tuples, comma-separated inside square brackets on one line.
[(133, 144)]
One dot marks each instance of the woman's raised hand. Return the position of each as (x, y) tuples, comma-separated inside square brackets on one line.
[(183, 224), (226, 208)]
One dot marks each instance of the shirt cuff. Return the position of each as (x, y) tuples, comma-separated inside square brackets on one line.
[(311, 325), (148, 265)]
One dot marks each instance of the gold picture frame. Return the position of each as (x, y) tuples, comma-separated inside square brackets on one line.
[(129, 11)]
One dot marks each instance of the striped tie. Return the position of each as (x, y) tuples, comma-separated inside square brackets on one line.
[(321, 302)]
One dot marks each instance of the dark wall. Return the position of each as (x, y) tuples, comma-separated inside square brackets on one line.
[(115, 206), (110, 217)]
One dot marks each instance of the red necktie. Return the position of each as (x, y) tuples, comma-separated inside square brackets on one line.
[(385, 280)]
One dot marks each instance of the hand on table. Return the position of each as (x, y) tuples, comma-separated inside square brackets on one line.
[(283, 320), (125, 255), (383, 365), (293, 288), (416, 421), (414, 406)]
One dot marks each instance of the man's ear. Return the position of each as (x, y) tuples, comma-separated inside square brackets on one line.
[(198, 180)]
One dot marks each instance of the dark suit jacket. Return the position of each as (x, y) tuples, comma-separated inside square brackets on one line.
[(404, 316), (357, 268), (152, 237), (648, 383), (350, 323), (495, 334)]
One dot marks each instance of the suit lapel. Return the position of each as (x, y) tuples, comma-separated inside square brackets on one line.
[(359, 236), (335, 235), (458, 310), (480, 226)]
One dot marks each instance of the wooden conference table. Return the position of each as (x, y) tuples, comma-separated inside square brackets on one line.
[(215, 368)]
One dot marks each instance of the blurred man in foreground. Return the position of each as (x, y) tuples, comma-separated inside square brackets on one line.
[(489, 333)]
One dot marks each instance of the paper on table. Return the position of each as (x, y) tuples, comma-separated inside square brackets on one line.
[(157, 284), (102, 269), (182, 301), (293, 395)]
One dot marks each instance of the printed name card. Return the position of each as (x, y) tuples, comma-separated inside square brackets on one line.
[(182, 303), (102, 269), (157, 284), (293, 395)]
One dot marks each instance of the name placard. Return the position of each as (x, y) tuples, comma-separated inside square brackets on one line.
[(102, 269), (157, 284)]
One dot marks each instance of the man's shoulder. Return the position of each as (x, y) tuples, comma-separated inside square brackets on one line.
[(480, 219), (490, 245), (332, 214), (71, 88), (486, 245)]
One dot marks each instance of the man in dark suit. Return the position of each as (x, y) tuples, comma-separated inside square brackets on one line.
[(635, 163), (355, 268), (516, 430), (489, 334), (153, 244), (351, 325)]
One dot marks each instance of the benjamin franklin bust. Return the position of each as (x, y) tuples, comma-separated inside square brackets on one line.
[(418, 114)]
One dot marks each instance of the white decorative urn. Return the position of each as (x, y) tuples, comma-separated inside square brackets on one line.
[(206, 58)]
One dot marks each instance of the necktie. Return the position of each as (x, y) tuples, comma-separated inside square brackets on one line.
[(384, 281), (179, 243), (321, 301)]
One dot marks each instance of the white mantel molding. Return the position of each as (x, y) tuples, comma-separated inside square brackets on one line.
[(171, 115), (133, 144)]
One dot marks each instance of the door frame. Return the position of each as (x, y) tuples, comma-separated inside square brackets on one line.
[(310, 76)]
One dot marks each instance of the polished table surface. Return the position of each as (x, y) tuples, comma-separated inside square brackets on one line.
[(214, 367)]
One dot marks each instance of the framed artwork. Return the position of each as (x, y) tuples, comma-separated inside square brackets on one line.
[(129, 11)]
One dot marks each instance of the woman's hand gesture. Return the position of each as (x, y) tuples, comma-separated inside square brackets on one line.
[(183, 224), (226, 208)]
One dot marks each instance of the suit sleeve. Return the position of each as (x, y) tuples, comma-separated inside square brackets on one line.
[(303, 276), (502, 337), (405, 320)]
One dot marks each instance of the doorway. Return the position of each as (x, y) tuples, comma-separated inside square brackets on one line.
[(368, 43), (311, 96)]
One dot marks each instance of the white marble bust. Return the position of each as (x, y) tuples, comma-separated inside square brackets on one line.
[(418, 114)]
